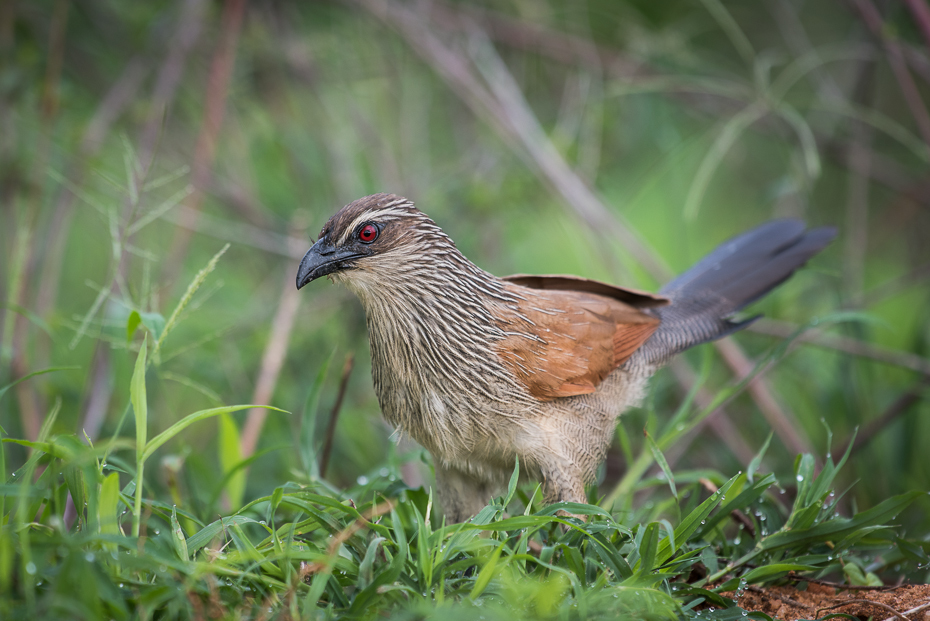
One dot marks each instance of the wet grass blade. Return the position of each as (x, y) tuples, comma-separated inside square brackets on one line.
[(137, 397), (155, 443)]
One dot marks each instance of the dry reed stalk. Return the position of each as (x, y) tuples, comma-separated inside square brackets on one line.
[(272, 361), (273, 358), (217, 91), (30, 400), (895, 56), (334, 414)]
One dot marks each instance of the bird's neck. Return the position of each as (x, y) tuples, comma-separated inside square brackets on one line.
[(438, 295), (432, 325)]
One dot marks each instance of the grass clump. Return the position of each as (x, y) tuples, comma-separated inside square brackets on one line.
[(81, 539)]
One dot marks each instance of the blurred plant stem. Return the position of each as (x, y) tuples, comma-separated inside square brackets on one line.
[(217, 90), (282, 324), (26, 253), (281, 327), (895, 56), (334, 414), (857, 196)]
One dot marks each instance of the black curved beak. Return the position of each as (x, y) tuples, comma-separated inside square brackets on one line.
[(323, 259)]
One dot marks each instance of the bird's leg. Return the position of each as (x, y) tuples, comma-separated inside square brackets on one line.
[(460, 494), (563, 482)]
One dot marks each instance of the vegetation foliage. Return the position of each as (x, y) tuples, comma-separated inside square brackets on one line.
[(149, 146)]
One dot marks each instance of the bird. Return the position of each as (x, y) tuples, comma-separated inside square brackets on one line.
[(483, 371)]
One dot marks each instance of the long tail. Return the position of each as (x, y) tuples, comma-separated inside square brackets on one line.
[(734, 275)]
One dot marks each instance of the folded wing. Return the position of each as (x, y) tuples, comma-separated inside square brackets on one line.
[(563, 341)]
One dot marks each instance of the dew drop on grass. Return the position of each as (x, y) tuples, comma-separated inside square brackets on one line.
[(89, 557), (703, 521), (157, 532), (799, 478), (14, 474), (31, 568), (121, 585), (362, 480), (384, 472), (745, 613)]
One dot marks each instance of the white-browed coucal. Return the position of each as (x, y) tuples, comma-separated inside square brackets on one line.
[(481, 370)]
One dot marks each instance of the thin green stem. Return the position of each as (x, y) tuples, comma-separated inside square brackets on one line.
[(730, 567), (137, 508)]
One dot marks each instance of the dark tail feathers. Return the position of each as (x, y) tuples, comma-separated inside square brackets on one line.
[(734, 275)]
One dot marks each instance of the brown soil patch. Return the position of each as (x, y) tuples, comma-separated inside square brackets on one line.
[(911, 603)]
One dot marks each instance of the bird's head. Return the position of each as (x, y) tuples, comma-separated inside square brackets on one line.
[(371, 239)]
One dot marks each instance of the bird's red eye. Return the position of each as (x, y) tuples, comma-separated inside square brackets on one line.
[(368, 234)]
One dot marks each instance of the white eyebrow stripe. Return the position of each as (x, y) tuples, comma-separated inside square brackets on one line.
[(381, 214), (399, 201)]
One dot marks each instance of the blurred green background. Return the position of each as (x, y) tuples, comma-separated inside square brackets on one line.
[(137, 139)]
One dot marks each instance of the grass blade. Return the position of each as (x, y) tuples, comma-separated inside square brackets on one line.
[(190, 419), (663, 464), (139, 402), (230, 457), (33, 374), (486, 573)]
